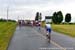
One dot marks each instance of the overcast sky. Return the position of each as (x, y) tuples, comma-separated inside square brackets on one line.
[(26, 9)]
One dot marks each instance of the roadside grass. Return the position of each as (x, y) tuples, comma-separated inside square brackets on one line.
[(66, 29), (6, 31)]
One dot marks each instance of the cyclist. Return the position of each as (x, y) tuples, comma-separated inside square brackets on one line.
[(39, 25), (48, 30)]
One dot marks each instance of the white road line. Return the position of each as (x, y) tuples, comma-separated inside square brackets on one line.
[(54, 43)]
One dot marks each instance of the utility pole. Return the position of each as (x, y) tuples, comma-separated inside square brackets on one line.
[(7, 13)]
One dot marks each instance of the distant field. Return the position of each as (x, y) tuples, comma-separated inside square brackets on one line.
[(65, 29), (6, 31)]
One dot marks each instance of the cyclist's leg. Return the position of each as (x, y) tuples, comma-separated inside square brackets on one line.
[(49, 33)]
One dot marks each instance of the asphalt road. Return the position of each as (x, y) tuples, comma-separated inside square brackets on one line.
[(61, 40), (30, 38)]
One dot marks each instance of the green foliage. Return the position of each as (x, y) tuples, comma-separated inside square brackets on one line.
[(57, 17), (4, 20), (54, 18), (60, 16), (12, 20), (68, 17), (38, 16)]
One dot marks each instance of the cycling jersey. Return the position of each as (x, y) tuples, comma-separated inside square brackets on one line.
[(48, 28)]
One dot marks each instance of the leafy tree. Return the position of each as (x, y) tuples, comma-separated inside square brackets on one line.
[(54, 18), (60, 17), (57, 17), (68, 17), (37, 16), (40, 17)]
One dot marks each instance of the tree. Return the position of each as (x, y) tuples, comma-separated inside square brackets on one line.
[(37, 16), (60, 17), (54, 18), (68, 17), (57, 17), (40, 17)]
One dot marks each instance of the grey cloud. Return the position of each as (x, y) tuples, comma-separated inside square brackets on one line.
[(31, 2), (37, 2), (4, 3), (22, 2), (57, 1)]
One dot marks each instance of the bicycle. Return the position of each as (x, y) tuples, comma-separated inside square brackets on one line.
[(48, 36)]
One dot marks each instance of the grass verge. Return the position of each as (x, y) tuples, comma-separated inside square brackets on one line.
[(6, 31), (65, 29)]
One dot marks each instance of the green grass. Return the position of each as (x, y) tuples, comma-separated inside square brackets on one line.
[(6, 31), (65, 29)]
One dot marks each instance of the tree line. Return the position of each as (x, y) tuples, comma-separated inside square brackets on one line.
[(5, 20), (57, 17), (38, 16)]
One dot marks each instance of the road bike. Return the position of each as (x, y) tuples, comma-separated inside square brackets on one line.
[(48, 36)]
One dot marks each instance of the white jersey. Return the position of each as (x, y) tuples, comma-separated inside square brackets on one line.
[(48, 25)]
